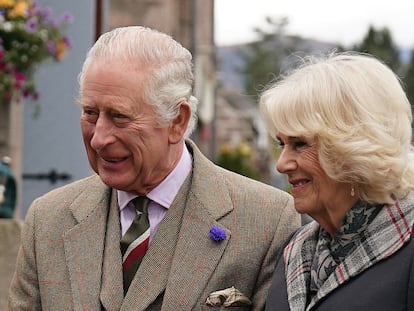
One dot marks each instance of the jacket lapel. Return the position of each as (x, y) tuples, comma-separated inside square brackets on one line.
[(197, 255), (195, 259), (84, 244), (112, 291)]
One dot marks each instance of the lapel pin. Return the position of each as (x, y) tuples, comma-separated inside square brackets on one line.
[(217, 234)]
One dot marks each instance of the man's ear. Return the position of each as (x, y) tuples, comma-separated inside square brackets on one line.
[(179, 125)]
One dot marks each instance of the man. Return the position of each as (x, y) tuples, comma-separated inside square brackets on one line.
[(209, 229)]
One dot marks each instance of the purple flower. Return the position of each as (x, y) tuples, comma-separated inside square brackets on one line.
[(48, 18), (217, 233), (31, 25), (35, 9), (51, 47), (68, 42), (47, 12), (67, 18)]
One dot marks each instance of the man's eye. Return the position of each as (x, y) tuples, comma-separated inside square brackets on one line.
[(90, 115), (119, 118)]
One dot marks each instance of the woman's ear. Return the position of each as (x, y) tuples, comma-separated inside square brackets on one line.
[(179, 125)]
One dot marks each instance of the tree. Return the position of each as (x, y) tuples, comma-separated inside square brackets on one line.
[(409, 81), (379, 42), (263, 57)]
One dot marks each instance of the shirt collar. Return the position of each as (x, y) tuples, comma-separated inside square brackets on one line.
[(167, 190)]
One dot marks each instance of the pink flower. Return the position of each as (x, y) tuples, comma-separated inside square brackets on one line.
[(19, 76)]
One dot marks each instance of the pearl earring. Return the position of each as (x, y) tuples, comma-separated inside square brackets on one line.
[(352, 191)]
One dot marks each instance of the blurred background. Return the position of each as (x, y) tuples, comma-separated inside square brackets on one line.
[(238, 47)]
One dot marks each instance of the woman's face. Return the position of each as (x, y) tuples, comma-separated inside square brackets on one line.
[(314, 192)]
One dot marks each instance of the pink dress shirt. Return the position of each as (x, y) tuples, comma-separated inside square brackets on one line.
[(161, 196)]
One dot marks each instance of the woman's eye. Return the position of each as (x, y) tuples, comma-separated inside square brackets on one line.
[(292, 143), (300, 144), (280, 144)]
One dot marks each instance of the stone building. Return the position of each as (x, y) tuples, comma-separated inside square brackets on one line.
[(190, 22)]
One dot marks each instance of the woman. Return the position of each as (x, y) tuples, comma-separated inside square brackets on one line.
[(344, 125)]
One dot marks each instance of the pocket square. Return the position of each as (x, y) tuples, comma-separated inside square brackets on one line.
[(229, 297)]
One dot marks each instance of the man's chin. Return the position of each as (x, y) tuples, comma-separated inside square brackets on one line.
[(110, 181)]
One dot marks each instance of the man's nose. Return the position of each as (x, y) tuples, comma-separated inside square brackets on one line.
[(102, 135)]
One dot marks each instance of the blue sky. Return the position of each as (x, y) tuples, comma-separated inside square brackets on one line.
[(344, 22)]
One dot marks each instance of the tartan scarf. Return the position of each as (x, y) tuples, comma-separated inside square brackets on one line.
[(378, 232), (330, 251)]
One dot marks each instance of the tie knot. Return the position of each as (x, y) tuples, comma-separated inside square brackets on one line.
[(141, 204)]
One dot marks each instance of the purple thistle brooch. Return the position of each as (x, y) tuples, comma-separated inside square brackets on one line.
[(217, 234)]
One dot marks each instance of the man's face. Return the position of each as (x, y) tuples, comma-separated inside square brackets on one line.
[(123, 142)]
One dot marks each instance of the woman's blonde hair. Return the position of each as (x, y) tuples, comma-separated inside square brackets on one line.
[(355, 108)]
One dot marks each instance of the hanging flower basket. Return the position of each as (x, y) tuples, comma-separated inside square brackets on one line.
[(29, 35)]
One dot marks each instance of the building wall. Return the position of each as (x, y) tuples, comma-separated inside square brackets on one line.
[(172, 17), (52, 141), (190, 22)]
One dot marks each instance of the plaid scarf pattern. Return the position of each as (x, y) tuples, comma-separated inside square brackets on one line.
[(331, 251), (368, 235)]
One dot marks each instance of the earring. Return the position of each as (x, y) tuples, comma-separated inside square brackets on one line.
[(352, 191)]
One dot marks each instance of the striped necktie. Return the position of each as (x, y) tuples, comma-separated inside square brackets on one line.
[(134, 243)]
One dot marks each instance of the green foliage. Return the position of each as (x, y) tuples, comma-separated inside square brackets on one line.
[(262, 61), (409, 81), (238, 159), (379, 42)]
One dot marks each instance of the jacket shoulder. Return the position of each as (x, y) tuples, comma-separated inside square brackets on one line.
[(252, 186), (84, 192), (72, 190)]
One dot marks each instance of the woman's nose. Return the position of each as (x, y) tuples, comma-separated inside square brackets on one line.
[(286, 162)]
